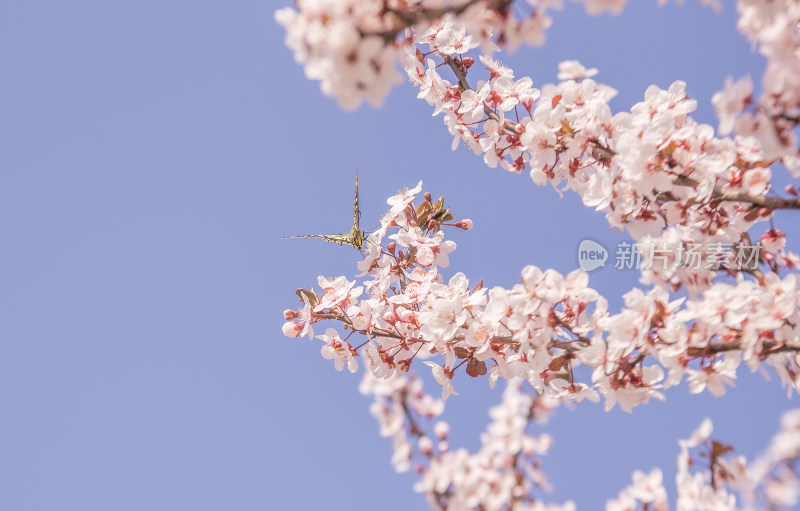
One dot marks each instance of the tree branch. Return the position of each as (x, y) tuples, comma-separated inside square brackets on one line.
[(407, 19), (722, 194), (770, 347), (461, 75)]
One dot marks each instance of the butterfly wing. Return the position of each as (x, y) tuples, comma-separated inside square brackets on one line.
[(356, 212), (356, 234), (330, 238)]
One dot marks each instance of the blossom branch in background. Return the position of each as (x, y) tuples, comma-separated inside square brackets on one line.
[(505, 473), (770, 482)]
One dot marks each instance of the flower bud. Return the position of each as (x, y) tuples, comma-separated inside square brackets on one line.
[(465, 224), (425, 445), (292, 329), (390, 317), (428, 196), (441, 429), (467, 62), (290, 314), (404, 314)]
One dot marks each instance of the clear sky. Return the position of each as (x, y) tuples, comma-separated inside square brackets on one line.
[(152, 154)]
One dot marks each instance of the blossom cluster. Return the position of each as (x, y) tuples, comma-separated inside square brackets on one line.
[(654, 171), (352, 46), (550, 329), (673, 183), (774, 27), (769, 482), (506, 472)]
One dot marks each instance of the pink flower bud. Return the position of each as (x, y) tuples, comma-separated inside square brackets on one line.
[(467, 62), (528, 446), (292, 329), (389, 317), (405, 315), (465, 224), (289, 314), (426, 445), (441, 429)]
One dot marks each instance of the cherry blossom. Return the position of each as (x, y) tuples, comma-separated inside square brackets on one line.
[(730, 102), (336, 291), (339, 351)]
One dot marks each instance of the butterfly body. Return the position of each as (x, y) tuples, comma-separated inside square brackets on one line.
[(355, 237)]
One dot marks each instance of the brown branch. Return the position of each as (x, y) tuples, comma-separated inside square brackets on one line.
[(413, 427), (722, 194), (459, 71), (377, 332), (518, 470), (461, 75), (408, 19), (432, 14), (770, 347)]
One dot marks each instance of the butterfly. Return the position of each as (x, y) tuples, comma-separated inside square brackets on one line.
[(355, 237)]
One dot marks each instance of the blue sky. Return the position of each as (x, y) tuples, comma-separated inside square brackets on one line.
[(153, 154)]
